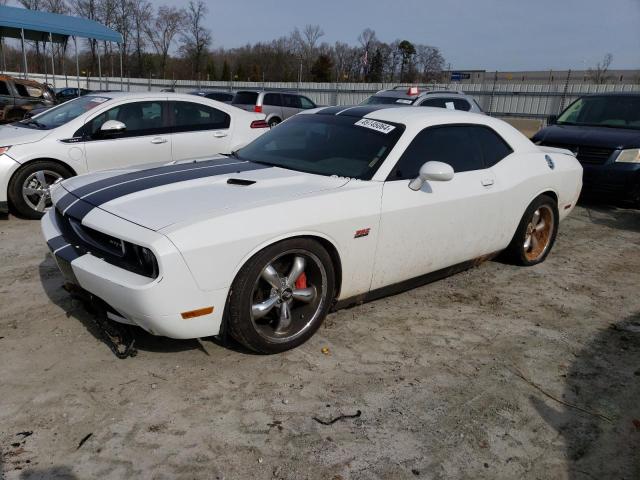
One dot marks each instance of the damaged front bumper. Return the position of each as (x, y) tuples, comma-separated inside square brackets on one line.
[(157, 304)]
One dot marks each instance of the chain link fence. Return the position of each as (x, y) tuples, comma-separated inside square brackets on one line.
[(535, 101)]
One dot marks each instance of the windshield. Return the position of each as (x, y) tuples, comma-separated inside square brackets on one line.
[(326, 145), (62, 114), (377, 100), (605, 111)]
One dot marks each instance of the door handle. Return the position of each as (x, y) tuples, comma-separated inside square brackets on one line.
[(220, 134), (158, 140), (487, 182)]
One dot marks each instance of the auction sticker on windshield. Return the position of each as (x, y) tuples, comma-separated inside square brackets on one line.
[(375, 125)]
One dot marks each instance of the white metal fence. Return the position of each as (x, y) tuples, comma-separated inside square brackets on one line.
[(499, 99)]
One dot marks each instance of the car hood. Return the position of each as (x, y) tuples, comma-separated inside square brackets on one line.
[(589, 136), (180, 193), (10, 135)]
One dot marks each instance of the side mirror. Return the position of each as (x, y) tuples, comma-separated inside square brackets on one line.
[(435, 171), (551, 119), (112, 126)]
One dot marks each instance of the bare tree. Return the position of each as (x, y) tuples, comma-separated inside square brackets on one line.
[(306, 43), (369, 42), (196, 37), (430, 61), (88, 9), (598, 74), (55, 6), (141, 13), (161, 32)]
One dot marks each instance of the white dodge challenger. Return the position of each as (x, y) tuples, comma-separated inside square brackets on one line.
[(334, 207)]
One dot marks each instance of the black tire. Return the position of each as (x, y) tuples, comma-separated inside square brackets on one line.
[(249, 331), (275, 121), (517, 251), (22, 177)]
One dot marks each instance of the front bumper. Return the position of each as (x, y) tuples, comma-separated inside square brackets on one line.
[(153, 304), (621, 180)]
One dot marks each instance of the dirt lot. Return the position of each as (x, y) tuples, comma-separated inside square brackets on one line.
[(499, 373)]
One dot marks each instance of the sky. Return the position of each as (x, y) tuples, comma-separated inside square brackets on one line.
[(472, 34)]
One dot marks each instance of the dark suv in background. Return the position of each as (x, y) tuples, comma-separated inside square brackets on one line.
[(277, 106), (603, 131), (19, 96)]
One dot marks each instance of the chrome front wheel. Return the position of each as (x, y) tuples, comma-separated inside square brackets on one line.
[(35, 189), (29, 188), (281, 296), (288, 295)]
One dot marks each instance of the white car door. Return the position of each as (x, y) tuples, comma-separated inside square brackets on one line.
[(199, 131), (446, 222), (146, 138)]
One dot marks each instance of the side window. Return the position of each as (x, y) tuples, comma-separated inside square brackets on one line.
[(190, 117), (492, 146), (272, 99), (291, 101), (306, 103), (22, 91), (433, 102), (454, 145), (3, 88), (140, 118)]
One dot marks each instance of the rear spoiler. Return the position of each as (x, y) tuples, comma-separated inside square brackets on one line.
[(563, 151)]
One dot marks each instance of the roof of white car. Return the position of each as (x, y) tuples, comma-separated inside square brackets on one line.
[(118, 95), (429, 116)]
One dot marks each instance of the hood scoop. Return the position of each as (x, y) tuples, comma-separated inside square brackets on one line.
[(240, 181)]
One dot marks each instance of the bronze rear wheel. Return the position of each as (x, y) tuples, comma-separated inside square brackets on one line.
[(539, 232), (536, 232)]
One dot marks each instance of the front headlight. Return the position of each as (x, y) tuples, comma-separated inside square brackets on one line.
[(631, 155), (4, 149)]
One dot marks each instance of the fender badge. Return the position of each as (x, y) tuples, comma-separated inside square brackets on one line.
[(362, 233), (550, 162)]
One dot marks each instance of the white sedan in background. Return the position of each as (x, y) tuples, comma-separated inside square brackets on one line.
[(113, 130), (333, 207)]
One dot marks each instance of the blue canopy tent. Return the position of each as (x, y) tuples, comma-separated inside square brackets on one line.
[(53, 28)]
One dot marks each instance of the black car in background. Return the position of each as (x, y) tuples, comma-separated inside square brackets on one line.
[(603, 130), (69, 93)]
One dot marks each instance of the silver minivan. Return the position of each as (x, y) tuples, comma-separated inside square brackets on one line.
[(277, 106)]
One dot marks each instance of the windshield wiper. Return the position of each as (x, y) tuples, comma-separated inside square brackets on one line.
[(32, 121)]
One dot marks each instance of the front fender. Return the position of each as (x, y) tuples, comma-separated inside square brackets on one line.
[(8, 167)]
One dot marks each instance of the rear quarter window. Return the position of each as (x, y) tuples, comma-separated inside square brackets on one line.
[(4, 90), (245, 98), (492, 145)]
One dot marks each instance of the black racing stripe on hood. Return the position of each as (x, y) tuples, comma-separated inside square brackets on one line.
[(125, 177), (65, 202), (79, 209), (154, 178), (117, 191)]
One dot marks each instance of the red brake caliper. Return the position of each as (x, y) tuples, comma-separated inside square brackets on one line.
[(301, 282)]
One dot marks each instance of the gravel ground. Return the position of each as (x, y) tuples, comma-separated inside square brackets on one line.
[(499, 372)]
